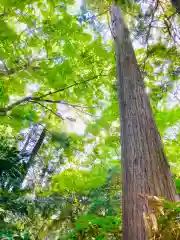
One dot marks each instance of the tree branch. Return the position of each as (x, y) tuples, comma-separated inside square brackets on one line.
[(56, 114), (67, 87), (29, 64), (3, 111), (148, 35), (65, 103)]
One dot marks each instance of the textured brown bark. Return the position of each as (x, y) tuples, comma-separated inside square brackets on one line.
[(145, 167)]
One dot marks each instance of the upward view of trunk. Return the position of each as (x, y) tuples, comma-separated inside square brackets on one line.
[(145, 167)]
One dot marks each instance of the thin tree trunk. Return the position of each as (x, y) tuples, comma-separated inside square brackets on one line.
[(145, 167), (28, 138), (37, 147)]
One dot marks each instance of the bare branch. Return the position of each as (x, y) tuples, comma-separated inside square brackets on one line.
[(3, 111), (148, 35), (28, 64), (80, 110), (58, 115), (65, 103), (67, 87)]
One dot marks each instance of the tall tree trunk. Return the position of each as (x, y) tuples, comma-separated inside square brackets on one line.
[(145, 167)]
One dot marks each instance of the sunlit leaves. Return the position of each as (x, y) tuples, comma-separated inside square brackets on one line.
[(52, 51), (167, 118), (7, 34), (172, 147), (78, 181), (99, 227)]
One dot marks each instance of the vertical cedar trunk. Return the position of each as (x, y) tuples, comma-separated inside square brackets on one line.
[(145, 167)]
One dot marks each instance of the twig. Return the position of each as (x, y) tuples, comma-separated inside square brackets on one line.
[(95, 16), (64, 103), (3, 111), (58, 115), (67, 87), (148, 35), (109, 25), (83, 112)]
